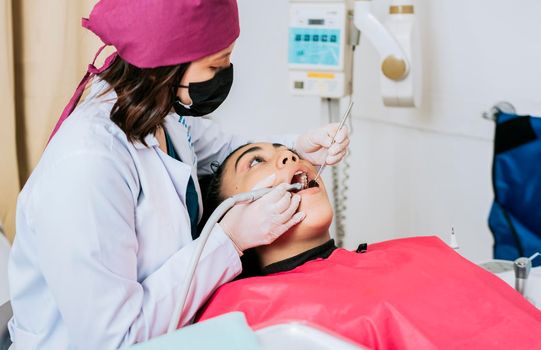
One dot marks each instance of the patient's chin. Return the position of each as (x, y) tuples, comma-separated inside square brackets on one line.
[(317, 221), (303, 233), (317, 208)]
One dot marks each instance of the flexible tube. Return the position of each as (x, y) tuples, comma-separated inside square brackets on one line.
[(246, 197)]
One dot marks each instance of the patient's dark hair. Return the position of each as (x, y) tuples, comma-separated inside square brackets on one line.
[(211, 189), (211, 186)]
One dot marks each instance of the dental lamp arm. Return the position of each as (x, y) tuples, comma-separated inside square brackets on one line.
[(394, 62)]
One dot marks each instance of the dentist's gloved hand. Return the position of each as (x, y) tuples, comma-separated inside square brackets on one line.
[(315, 145), (264, 220)]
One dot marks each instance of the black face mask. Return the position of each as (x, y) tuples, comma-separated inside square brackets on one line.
[(207, 95)]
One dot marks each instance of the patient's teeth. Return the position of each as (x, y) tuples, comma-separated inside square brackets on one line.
[(304, 179)]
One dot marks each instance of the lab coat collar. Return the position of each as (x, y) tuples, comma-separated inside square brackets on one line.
[(183, 148), (98, 87), (150, 140), (179, 138)]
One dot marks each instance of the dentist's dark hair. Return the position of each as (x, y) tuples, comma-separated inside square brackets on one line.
[(144, 96)]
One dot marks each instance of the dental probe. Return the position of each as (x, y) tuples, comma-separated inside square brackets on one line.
[(244, 198), (340, 126)]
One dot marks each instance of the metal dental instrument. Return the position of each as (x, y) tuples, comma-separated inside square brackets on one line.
[(453, 243), (340, 126), (246, 197)]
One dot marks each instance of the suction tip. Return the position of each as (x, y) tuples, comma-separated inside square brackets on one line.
[(296, 186)]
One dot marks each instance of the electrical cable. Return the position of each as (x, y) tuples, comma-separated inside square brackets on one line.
[(340, 179), (338, 194), (246, 197), (346, 166)]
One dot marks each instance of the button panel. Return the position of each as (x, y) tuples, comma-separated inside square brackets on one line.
[(314, 46)]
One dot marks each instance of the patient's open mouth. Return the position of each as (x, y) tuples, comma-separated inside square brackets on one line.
[(302, 178)]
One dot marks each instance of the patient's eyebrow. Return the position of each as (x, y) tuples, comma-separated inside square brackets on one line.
[(294, 152), (249, 150), (278, 145)]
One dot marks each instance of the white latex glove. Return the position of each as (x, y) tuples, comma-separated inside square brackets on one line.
[(315, 145), (264, 220)]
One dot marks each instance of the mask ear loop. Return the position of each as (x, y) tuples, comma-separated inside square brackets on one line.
[(90, 73), (182, 70)]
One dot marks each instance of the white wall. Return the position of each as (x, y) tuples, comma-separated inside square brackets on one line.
[(414, 171)]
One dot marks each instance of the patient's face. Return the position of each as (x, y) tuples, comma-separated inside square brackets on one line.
[(254, 162)]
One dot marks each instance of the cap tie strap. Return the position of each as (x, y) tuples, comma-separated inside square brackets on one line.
[(90, 73)]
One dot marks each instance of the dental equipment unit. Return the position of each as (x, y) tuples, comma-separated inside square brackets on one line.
[(522, 267), (241, 198), (453, 244), (324, 34), (519, 273), (340, 126)]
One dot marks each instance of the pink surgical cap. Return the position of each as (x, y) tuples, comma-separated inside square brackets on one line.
[(155, 33)]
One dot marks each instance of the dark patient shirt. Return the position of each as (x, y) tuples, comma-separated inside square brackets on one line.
[(320, 252), (192, 198)]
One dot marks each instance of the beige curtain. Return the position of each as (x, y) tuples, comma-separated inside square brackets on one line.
[(44, 52), (9, 174)]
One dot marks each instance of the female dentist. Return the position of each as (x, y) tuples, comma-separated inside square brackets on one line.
[(106, 224)]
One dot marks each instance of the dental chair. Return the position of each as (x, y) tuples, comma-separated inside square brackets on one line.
[(5, 306), (5, 316), (231, 332), (514, 219)]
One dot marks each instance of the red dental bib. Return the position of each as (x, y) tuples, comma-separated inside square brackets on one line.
[(413, 293)]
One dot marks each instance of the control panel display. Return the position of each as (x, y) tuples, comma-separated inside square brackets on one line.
[(316, 36), (314, 46), (316, 22), (317, 48)]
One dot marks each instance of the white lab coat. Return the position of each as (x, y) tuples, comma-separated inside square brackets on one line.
[(103, 234)]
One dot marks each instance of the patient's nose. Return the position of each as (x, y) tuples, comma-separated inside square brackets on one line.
[(287, 158)]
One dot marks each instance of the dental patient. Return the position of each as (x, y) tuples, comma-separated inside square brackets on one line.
[(412, 293)]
